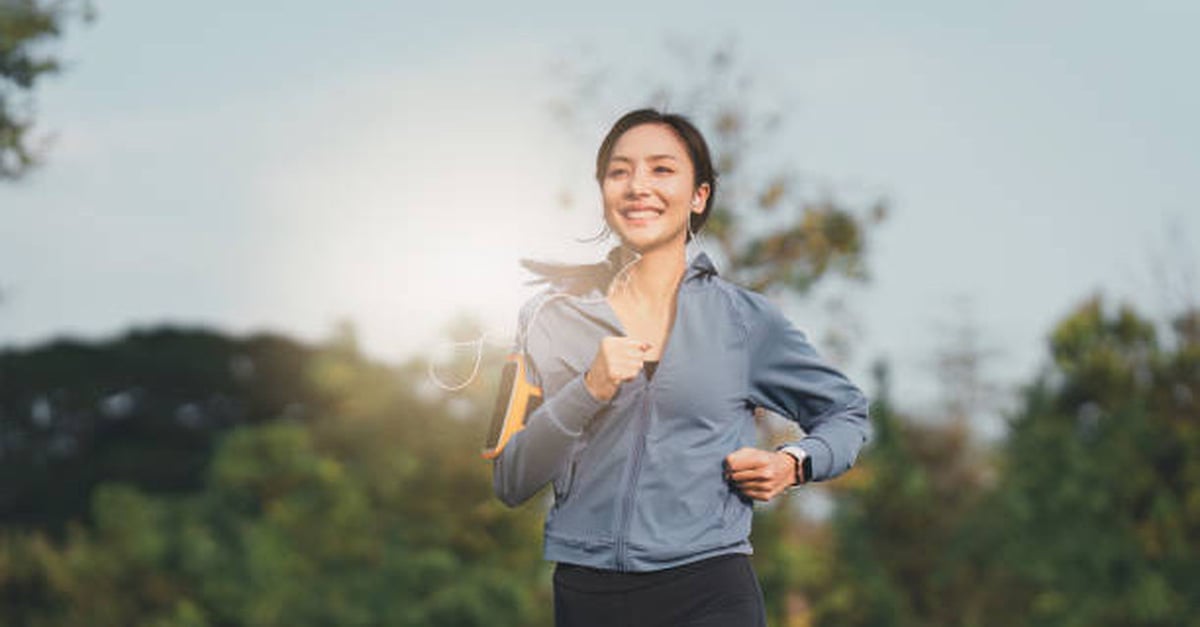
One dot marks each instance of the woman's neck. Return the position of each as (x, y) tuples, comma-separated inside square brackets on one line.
[(654, 278)]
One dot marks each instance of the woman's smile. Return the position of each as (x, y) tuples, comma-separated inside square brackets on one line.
[(640, 215)]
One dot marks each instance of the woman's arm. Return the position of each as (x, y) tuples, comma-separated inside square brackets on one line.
[(789, 378), (536, 454)]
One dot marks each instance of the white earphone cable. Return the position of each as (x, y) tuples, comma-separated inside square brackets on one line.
[(620, 279)]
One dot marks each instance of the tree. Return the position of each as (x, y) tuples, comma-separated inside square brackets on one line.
[(25, 28), (896, 527), (370, 507), (1100, 489), (144, 409)]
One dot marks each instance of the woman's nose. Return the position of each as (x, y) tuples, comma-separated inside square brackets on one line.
[(638, 181)]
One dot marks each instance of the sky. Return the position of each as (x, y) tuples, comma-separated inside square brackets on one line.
[(284, 166)]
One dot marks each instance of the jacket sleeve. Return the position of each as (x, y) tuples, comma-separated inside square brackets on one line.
[(789, 378), (536, 454)]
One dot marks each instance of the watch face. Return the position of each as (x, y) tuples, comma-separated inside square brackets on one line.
[(806, 469)]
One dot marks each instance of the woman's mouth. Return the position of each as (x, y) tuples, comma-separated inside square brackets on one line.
[(640, 214)]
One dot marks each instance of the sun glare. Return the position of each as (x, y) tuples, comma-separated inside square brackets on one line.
[(412, 223)]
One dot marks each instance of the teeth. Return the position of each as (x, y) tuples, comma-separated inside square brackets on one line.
[(641, 215)]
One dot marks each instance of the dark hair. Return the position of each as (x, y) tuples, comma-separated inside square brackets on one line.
[(696, 146)]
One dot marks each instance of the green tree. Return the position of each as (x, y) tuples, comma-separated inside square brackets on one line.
[(1089, 514), (143, 409), (363, 510), (1100, 495), (897, 522), (25, 28)]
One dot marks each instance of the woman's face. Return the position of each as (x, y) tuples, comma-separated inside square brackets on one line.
[(648, 188)]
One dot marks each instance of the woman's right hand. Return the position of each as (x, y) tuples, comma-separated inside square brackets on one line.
[(619, 359)]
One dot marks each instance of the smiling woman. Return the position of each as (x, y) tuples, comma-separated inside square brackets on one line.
[(646, 169), (649, 187), (651, 368)]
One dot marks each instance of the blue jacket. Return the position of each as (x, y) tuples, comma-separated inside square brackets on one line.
[(639, 481)]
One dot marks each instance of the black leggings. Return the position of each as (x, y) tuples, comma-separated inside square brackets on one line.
[(720, 591)]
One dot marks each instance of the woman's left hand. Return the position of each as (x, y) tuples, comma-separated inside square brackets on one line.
[(760, 475)]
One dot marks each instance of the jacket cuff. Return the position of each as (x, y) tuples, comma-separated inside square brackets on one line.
[(821, 455), (573, 407)]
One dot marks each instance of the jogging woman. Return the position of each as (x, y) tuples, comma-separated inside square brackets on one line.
[(651, 368)]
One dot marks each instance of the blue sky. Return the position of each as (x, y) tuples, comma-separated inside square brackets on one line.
[(283, 166)]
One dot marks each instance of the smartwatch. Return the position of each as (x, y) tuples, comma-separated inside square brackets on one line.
[(803, 464)]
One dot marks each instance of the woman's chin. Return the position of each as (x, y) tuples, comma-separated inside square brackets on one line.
[(646, 242), (641, 244)]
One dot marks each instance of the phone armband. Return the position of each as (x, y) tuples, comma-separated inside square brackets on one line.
[(517, 399)]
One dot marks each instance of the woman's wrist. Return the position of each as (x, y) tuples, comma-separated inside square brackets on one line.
[(596, 391), (799, 468)]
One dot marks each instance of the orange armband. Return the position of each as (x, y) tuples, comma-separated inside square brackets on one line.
[(517, 399)]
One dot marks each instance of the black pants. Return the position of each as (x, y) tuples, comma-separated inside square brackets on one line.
[(717, 592)]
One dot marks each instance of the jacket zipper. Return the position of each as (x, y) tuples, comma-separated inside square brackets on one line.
[(639, 450)]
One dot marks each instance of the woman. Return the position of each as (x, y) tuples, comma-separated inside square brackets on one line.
[(652, 368)]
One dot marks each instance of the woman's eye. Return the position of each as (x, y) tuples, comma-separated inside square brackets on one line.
[(616, 172), (663, 169)]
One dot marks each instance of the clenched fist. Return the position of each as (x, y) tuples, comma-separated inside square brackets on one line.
[(760, 475), (619, 359)]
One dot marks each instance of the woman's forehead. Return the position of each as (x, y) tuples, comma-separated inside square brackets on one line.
[(650, 139)]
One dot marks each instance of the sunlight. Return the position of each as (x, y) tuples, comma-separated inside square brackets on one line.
[(409, 215)]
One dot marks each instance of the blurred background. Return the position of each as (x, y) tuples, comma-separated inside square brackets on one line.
[(245, 247)]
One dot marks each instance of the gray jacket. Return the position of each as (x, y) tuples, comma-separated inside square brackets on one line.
[(639, 481)]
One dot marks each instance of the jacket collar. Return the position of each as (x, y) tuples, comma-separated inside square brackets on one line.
[(700, 266), (593, 280)]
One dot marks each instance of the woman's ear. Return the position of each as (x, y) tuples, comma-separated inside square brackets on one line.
[(700, 198)]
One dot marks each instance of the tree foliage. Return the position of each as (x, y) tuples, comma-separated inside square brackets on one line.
[(1088, 514), (896, 528), (26, 26), (143, 409), (1101, 489), (369, 507)]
